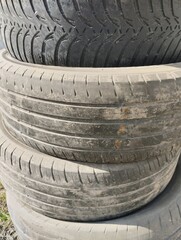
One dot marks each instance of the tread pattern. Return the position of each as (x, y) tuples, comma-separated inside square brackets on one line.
[(67, 190), (134, 125), (92, 34), (159, 220), (96, 155)]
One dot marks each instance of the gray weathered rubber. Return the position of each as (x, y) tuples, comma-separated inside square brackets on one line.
[(160, 219), (81, 192), (1, 41), (101, 116)]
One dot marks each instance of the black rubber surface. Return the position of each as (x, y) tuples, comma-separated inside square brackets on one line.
[(87, 33), (161, 220), (100, 116), (80, 192)]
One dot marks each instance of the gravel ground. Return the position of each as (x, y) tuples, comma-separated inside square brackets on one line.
[(7, 231)]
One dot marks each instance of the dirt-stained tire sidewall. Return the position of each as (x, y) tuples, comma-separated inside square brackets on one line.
[(92, 115), (158, 220), (74, 191)]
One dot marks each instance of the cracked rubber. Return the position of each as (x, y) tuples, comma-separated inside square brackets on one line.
[(100, 116), (80, 192), (89, 33), (161, 219)]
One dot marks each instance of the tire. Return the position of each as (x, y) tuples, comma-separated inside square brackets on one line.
[(160, 219), (1, 42), (93, 33), (77, 192), (99, 116)]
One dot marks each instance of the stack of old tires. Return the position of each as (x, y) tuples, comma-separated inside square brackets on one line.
[(89, 141)]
